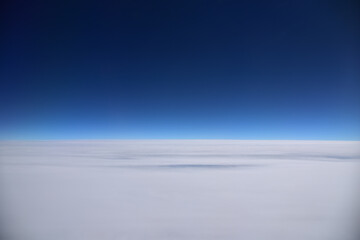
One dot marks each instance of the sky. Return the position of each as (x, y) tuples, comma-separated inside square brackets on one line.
[(190, 69)]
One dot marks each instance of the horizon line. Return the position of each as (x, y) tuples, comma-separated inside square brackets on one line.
[(172, 139)]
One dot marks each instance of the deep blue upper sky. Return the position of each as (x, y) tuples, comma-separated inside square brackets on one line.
[(180, 69)]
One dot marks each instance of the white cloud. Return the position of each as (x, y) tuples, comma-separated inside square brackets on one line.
[(178, 189)]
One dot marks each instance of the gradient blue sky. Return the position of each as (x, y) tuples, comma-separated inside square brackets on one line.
[(180, 69)]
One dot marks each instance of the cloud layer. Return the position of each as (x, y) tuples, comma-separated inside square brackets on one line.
[(179, 189)]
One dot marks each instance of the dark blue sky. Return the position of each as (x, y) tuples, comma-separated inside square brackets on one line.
[(180, 69)]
